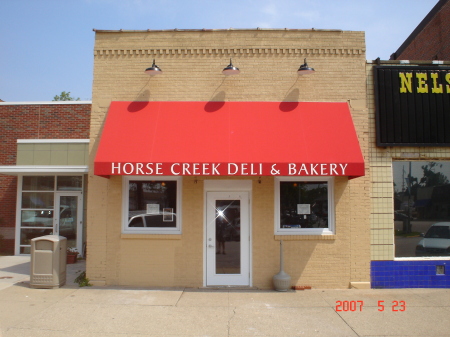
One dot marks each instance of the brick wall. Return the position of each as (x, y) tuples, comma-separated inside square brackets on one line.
[(8, 192), (268, 60), (32, 121), (432, 42)]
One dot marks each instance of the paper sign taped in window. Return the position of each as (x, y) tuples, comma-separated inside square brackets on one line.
[(167, 214), (303, 209), (152, 208)]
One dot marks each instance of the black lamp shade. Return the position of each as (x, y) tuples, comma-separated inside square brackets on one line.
[(153, 70), (305, 69), (230, 70)]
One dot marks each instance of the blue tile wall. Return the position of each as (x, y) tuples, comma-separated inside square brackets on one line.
[(409, 274)]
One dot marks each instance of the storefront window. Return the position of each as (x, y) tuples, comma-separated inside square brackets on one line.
[(152, 206), (304, 206), (421, 208), (40, 197)]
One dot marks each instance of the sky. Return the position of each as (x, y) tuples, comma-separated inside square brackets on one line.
[(47, 45)]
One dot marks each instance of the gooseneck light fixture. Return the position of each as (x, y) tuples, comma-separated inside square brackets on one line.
[(153, 70), (230, 70), (304, 69)]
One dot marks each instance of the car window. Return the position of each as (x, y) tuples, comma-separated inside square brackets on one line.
[(438, 232)]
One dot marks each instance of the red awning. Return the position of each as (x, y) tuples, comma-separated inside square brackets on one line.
[(229, 138)]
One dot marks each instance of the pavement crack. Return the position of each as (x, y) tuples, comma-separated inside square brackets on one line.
[(229, 321), (179, 298), (346, 323)]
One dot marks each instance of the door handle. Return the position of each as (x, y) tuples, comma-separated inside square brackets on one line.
[(210, 246)]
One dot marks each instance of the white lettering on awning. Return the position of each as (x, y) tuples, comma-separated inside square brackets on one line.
[(230, 169)]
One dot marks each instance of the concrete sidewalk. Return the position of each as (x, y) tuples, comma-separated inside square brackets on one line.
[(123, 311)]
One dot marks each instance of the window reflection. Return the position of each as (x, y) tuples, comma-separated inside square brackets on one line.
[(42, 218), (37, 213), (228, 236), (152, 204), (303, 204), (37, 200), (421, 203)]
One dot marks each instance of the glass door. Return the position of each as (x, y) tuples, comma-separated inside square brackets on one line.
[(69, 218), (227, 239)]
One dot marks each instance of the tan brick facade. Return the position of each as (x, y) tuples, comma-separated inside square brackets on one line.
[(268, 60)]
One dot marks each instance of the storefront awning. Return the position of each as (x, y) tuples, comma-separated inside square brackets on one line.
[(229, 138)]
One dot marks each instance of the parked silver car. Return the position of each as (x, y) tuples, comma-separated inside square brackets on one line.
[(153, 220), (436, 242)]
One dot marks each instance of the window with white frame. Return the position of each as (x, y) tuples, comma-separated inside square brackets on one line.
[(152, 205), (304, 206), (37, 201)]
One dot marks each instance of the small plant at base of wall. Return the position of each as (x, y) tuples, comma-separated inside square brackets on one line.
[(82, 280)]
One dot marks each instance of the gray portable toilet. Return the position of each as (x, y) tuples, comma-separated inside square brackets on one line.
[(48, 261)]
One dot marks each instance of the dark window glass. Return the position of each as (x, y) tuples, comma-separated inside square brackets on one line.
[(37, 200), (152, 204), (421, 208), (303, 204), (69, 183), (136, 222), (38, 183), (228, 236)]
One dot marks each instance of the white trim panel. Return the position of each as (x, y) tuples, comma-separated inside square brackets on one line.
[(18, 217), (43, 141), (39, 169), (227, 185)]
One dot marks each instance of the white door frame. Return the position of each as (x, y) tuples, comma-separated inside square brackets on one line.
[(228, 186)]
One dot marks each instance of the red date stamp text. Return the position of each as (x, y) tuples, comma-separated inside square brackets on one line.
[(359, 305)]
